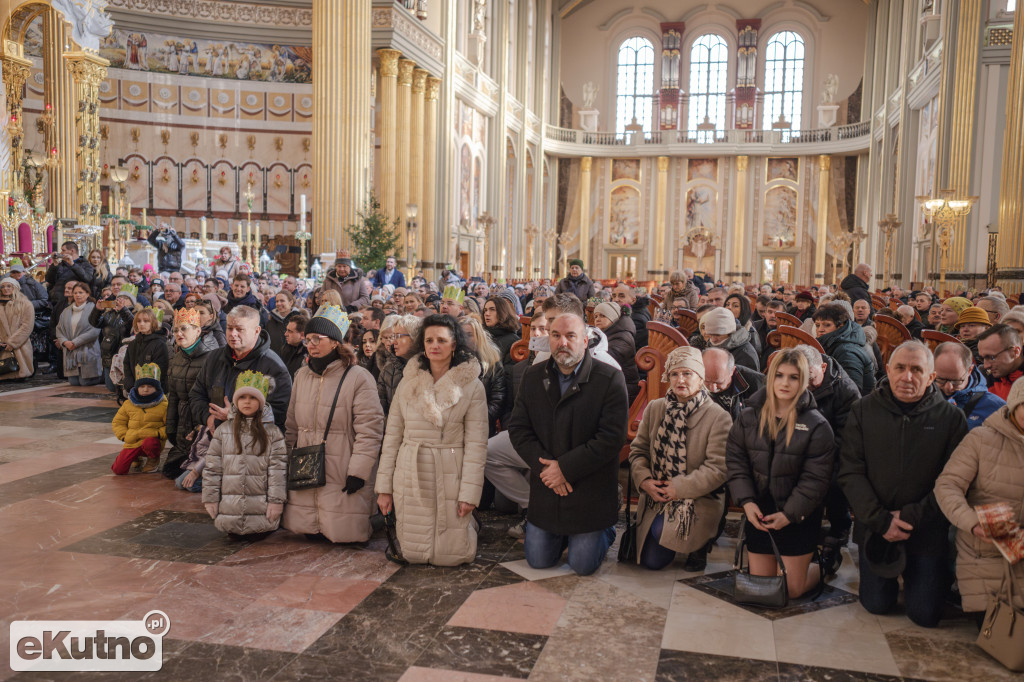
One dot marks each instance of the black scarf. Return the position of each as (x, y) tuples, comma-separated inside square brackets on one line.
[(320, 365)]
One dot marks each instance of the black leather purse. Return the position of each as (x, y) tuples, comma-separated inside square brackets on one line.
[(307, 467), (8, 362), (627, 543), (759, 590)]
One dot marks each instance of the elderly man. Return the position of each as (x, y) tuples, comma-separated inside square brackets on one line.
[(896, 442), (862, 313), (248, 348), (624, 295), (568, 425), (172, 294), (348, 281), (856, 284), (32, 288), (729, 384), (905, 314), (999, 348), (576, 282), (963, 384), (995, 306)]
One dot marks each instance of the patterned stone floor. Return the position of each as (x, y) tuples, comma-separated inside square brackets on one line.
[(79, 543)]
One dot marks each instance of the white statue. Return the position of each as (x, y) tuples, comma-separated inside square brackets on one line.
[(88, 21), (831, 88), (479, 17), (589, 94)]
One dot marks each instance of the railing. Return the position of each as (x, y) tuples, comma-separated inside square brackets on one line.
[(658, 137)]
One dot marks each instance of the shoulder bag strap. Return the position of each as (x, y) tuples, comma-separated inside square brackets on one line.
[(737, 560), (778, 556), (330, 417)]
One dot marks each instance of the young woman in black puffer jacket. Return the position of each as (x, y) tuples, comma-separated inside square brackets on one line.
[(779, 459)]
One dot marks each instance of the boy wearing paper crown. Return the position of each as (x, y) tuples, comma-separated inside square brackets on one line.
[(246, 472), (141, 423)]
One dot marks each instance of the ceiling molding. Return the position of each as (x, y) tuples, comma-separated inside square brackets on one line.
[(610, 21), (694, 11), (208, 30), (812, 10), (651, 12)]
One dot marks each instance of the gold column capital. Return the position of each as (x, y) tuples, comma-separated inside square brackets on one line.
[(742, 163), (585, 163), (662, 164), (824, 162), (419, 80), (405, 68), (433, 87), (388, 62)]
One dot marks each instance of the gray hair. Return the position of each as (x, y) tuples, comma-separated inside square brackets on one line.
[(244, 312), (1001, 306), (410, 323), (905, 310), (814, 358), (845, 305), (915, 346), (958, 349), (730, 360)]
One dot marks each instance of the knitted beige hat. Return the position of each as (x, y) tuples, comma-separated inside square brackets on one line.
[(609, 309)]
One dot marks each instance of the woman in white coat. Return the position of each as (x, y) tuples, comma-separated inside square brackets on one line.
[(17, 319), (80, 340), (435, 446)]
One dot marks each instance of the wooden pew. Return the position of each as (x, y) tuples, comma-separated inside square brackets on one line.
[(687, 321), (934, 338), (891, 333), (785, 319)]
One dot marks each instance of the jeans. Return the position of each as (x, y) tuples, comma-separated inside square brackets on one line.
[(586, 550), (196, 487), (654, 556), (107, 381), (926, 581)]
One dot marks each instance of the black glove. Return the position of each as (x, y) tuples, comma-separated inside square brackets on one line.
[(353, 484)]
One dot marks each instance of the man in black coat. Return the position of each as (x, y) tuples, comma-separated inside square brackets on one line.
[(169, 245), (71, 267), (568, 425), (625, 295), (729, 384), (856, 284), (896, 442), (248, 348)]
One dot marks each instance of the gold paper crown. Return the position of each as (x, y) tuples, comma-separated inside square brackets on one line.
[(455, 293), (253, 380), (187, 316), (150, 370)]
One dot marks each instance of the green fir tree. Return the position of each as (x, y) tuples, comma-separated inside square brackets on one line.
[(375, 237)]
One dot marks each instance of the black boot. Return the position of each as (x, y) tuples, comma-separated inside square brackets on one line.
[(697, 561)]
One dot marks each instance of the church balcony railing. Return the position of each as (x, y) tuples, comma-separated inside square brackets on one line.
[(850, 138)]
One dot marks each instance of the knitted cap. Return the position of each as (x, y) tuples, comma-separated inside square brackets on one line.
[(805, 296), (130, 291), (13, 282), (1016, 396), (253, 384), (972, 315), (718, 321), (187, 316), (453, 292), (576, 261), (957, 303), (684, 357), (609, 309), (343, 259), (330, 321)]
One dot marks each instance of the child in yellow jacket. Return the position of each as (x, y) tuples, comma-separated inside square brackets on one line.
[(141, 423)]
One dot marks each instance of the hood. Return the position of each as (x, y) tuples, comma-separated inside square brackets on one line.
[(267, 417), (735, 340), (834, 375), (148, 401), (623, 324), (432, 398), (259, 350), (975, 384), (207, 343), (851, 332), (249, 299), (804, 403), (1000, 421), (852, 281), (597, 346)]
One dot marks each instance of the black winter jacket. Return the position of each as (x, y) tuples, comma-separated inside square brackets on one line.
[(641, 316), (846, 346), (294, 357), (184, 369), (745, 383), (621, 337), (855, 288), (169, 246), (503, 339), (248, 300), (797, 474), (35, 292), (835, 397), (495, 386), (60, 274), (143, 349), (390, 377), (221, 372), (584, 430), (738, 344), (115, 326), (889, 461), (276, 326)]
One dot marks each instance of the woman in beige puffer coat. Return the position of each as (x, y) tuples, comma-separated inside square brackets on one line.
[(986, 468), (435, 447)]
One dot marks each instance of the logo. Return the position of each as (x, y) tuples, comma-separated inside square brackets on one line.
[(89, 645)]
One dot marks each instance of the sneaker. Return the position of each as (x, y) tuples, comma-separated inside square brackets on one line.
[(518, 531), (150, 465), (136, 465)]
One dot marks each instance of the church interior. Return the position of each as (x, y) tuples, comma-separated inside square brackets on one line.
[(778, 142)]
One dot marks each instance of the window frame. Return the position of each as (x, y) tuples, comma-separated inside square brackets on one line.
[(767, 95), (694, 114), (647, 121)]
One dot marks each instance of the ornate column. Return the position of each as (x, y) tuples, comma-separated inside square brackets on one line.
[(404, 137), (341, 118), (419, 85), (740, 221), (59, 94), (1010, 245), (388, 84), (584, 252), (824, 166), (16, 71), (429, 177), (88, 71), (657, 267)]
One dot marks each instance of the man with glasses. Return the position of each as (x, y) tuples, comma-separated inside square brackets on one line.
[(999, 348), (963, 384)]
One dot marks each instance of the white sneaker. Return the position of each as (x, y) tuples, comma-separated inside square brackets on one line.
[(518, 531)]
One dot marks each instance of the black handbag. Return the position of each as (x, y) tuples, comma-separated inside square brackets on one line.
[(627, 544), (759, 590), (307, 467), (8, 362)]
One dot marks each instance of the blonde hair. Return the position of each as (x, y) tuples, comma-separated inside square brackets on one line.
[(768, 424), (332, 297), (486, 350)]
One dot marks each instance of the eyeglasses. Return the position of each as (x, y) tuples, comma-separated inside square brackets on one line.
[(398, 336), (992, 358), (313, 340), (953, 383), (180, 329)]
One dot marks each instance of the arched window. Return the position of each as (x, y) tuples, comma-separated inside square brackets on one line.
[(784, 79), (709, 66), (634, 83)]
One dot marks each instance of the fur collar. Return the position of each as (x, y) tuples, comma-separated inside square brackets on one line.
[(434, 398)]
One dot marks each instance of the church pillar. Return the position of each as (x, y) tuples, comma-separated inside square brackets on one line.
[(388, 106), (584, 252), (405, 68), (15, 72), (1010, 246), (341, 118), (59, 96), (88, 71), (419, 84), (824, 166), (740, 222), (657, 267), (427, 212)]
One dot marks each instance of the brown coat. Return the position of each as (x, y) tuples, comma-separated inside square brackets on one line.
[(987, 467), (354, 289), (706, 436), (17, 318), (690, 292), (353, 444)]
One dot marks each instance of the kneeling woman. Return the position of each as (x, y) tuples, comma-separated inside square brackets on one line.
[(678, 463), (779, 459), (432, 464)]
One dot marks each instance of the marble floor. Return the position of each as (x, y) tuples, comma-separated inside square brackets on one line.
[(78, 543)]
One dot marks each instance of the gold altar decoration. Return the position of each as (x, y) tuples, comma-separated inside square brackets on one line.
[(945, 210)]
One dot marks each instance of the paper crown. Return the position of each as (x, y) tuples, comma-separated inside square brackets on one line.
[(158, 313), (16, 261), (150, 370), (249, 381), (335, 315), (129, 290), (187, 316), (455, 293)]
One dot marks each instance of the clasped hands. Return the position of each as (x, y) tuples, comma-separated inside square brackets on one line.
[(659, 491), (552, 477), (776, 521)]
